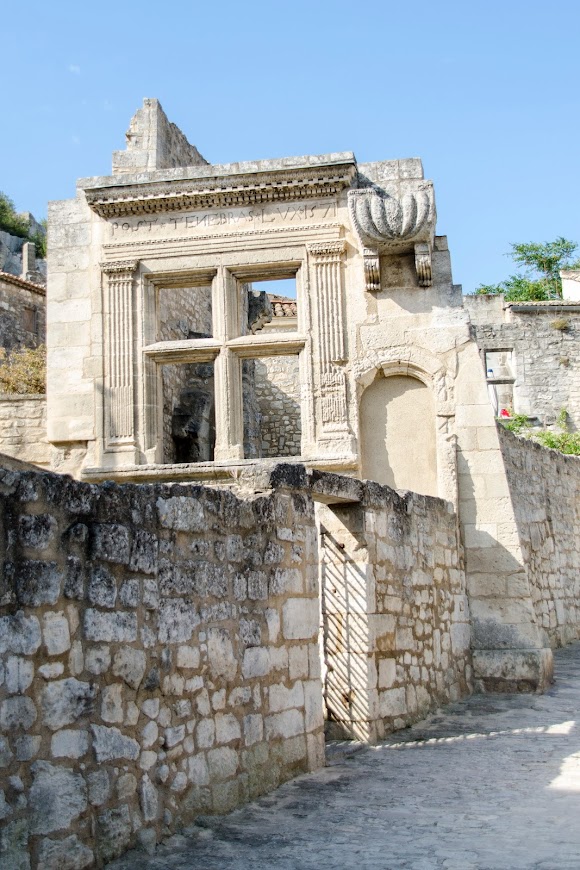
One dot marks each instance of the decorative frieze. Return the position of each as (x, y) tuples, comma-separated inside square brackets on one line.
[(119, 387)]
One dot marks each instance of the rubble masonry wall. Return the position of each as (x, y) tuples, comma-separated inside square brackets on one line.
[(545, 490), (158, 658)]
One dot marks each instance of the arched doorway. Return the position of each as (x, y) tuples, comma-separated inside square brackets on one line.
[(398, 439)]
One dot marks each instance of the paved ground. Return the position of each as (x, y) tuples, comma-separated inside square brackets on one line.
[(493, 783)]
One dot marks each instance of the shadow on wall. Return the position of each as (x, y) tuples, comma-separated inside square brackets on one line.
[(398, 438)]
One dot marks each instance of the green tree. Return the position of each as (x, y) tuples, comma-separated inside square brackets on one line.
[(10, 221), (541, 279)]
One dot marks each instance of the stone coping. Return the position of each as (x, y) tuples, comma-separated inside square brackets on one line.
[(218, 170)]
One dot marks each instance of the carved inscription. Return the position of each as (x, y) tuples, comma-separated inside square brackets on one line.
[(233, 218)]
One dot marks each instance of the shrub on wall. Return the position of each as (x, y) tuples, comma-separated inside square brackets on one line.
[(23, 370)]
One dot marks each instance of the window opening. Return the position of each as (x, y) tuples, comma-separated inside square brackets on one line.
[(188, 412), (184, 313), (271, 395)]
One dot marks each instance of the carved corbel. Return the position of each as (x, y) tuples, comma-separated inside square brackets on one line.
[(372, 270), (423, 264), (386, 224)]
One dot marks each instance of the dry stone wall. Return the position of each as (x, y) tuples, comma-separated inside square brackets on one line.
[(158, 658), (395, 611), (545, 490)]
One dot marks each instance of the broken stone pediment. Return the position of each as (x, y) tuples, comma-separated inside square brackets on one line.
[(394, 222)]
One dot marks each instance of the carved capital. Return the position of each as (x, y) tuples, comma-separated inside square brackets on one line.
[(327, 252), (123, 268)]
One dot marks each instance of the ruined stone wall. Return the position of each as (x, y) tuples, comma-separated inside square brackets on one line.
[(545, 341), (158, 658), (22, 316), (395, 611), (23, 428), (545, 489), (278, 397)]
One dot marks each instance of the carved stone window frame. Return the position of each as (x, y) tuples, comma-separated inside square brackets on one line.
[(227, 348)]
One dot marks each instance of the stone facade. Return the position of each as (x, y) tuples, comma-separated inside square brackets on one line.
[(545, 488), (540, 346), (375, 301)]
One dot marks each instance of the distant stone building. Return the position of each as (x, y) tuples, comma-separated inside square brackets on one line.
[(531, 355), (22, 312)]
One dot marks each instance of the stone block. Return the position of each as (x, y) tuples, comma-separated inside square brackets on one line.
[(227, 728), (110, 744), (17, 713), (300, 618), (67, 854), (113, 833), (130, 664), (197, 770), (281, 697), (14, 852), (130, 593), (222, 763), (148, 799), (27, 748), (253, 729), (98, 659), (19, 634), (37, 583), (220, 654), (256, 662), (143, 558), (117, 627), (102, 588), (57, 797), (177, 620), (393, 702), (286, 724), (65, 701), (111, 543), (112, 703), (181, 513), (19, 674), (69, 744), (55, 631), (37, 532), (313, 712)]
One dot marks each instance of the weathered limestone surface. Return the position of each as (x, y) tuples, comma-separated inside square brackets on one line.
[(545, 488), (23, 428), (145, 641)]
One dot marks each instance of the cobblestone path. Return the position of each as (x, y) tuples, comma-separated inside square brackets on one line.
[(493, 783)]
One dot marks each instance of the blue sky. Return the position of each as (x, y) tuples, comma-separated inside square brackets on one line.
[(486, 93)]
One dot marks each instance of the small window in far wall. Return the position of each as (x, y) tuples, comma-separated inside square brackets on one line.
[(30, 321)]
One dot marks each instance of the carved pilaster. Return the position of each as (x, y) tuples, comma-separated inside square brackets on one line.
[(326, 260), (119, 386)]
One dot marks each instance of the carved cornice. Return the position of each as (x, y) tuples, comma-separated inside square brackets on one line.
[(222, 191), (123, 268)]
